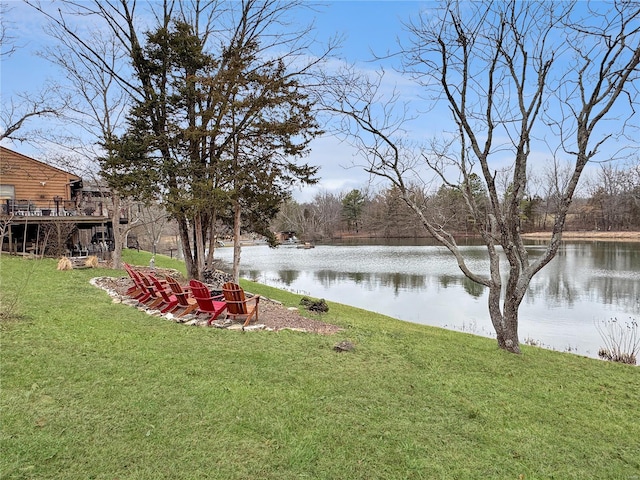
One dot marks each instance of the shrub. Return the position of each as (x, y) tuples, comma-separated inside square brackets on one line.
[(314, 305), (621, 340), (91, 262), (65, 264)]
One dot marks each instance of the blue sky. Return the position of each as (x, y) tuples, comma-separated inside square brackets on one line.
[(367, 26)]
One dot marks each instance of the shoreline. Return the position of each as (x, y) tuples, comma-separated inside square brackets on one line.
[(588, 235), (631, 236)]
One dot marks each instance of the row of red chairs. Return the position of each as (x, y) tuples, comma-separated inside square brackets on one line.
[(169, 296)]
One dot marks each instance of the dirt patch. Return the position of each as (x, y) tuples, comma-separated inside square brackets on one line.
[(273, 315)]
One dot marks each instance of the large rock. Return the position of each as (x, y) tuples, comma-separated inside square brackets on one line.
[(216, 278)]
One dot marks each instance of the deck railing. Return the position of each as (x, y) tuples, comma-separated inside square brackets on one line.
[(59, 208)]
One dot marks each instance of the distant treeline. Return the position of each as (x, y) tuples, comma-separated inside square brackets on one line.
[(611, 203)]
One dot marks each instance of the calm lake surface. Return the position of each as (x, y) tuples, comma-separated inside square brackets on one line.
[(587, 282)]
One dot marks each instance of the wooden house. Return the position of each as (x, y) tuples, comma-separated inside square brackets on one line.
[(31, 187), (35, 196)]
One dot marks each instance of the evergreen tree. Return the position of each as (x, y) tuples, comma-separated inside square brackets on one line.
[(352, 205), (215, 136)]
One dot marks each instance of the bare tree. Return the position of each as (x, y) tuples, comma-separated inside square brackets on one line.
[(7, 39), (613, 197), (55, 237), (5, 228), (327, 208), (634, 182), (315, 220), (512, 76), (555, 178), (97, 113), (291, 217), (18, 110), (153, 221)]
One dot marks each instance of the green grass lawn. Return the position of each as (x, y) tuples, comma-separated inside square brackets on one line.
[(93, 389)]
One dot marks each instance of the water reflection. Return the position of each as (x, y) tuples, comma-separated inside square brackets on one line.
[(472, 288), (287, 277), (396, 282), (585, 283)]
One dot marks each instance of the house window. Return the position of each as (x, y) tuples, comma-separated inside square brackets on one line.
[(7, 192)]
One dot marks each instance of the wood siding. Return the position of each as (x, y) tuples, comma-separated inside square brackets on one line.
[(34, 181)]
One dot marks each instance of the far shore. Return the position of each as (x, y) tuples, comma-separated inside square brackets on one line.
[(630, 236), (589, 235)]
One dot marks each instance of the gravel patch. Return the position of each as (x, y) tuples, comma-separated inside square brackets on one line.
[(273, 315)]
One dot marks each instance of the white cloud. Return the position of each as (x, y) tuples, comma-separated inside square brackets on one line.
[(339, 171)]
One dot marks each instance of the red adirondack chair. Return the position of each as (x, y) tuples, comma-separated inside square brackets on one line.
[(154, 295), (185, 301), (138, 291), (206, 302), (169, 301), (237, 303)]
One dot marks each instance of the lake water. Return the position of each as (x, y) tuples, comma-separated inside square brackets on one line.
[(587, 282)]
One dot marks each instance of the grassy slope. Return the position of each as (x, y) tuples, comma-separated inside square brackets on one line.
[(92, 389)]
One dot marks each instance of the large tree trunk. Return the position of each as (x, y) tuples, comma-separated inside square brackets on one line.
[(191, 266), (118, 234), (504, 322), (237, 217), (212, 240), (199, 245), (505, 319)]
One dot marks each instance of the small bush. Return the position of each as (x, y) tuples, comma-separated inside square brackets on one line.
[(314, 305), (65, 264), (91, 262), (621, 340)]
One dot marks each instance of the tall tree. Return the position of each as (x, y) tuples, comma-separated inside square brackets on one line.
[(272, 124), (612, 198), (197, 110), (352, 205), (98, 114), (509, 73)]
